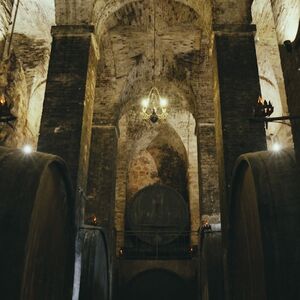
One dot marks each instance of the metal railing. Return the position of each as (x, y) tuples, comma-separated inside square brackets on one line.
[(157, 244)]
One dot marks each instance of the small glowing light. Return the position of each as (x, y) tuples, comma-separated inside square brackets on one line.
[(27, 149), (145, 102), (163, 102), (2, 100), (276, 147)]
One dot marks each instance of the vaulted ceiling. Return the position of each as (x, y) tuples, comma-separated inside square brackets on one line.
[(128, 57)]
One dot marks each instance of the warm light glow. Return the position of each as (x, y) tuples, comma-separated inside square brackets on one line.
[(163, 102), (276, 147), (2, 100), (145, 102), (27, 149), (154, 107)]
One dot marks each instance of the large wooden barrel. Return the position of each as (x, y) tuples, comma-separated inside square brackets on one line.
[(211, 263), (94, 274), (36, 227), (264, 227), (157, 214)]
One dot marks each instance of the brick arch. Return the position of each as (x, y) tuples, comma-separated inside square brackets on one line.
[(97, 11), (153, 158), (183, 124)]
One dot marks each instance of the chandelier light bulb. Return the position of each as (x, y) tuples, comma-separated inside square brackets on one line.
[(145, 102), (163, 102)]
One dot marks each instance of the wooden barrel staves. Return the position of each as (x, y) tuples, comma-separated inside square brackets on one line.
[(36, 227), (94, 258), (211, 263), (158, 215), (264, 227)]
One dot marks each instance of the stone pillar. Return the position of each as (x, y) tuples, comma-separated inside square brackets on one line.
[(102, 174), (290, 61), (236, 74), (208, 172), (239, 90), (69, 98), (206, 137)]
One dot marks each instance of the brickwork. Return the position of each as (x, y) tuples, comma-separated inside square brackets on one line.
[(232, 11), (69, 98), (239, 90), (102, 174), (206, 136), (290, 65), (142, 172)]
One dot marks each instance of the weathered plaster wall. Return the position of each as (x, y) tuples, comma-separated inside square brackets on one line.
[(270, 71), (30, 47)]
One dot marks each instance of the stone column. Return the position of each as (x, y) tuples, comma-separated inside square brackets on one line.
[(206, 136), (236, 75), (239, 90), (290, 61), (102, 174), (68, 106)]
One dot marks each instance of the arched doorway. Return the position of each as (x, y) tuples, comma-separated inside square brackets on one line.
[(157, 284)]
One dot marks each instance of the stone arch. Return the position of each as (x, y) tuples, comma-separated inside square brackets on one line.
[(97, 11), (123, 83), (102, 12), (147, 284), (133, 141)]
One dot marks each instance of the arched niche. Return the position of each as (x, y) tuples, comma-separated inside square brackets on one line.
[(157, 284), (163, 161), (141, 141)]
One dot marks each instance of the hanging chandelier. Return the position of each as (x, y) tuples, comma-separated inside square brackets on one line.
[(154, 107)]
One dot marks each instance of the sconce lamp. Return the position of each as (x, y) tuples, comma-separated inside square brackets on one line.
[(263, 110)]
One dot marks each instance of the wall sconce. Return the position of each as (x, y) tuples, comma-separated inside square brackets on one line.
[(263, 110), (92, 220), (5, 112)]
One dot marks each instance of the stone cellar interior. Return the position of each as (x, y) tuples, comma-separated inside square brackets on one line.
[(149, 149)]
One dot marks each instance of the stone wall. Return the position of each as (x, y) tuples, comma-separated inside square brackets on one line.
[(290, 61), (270, 71), (29, 51)]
